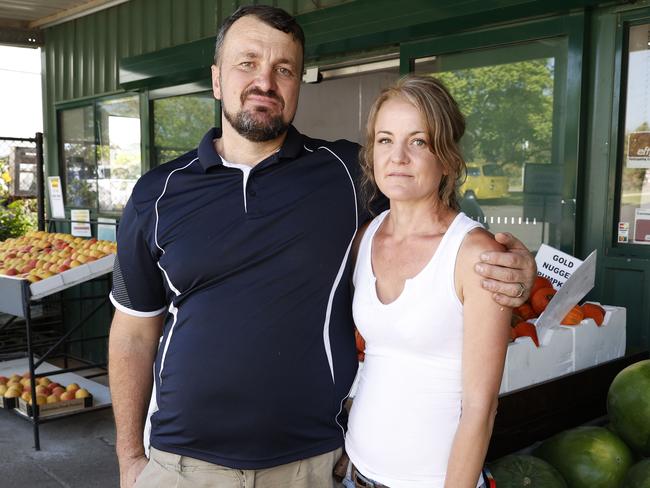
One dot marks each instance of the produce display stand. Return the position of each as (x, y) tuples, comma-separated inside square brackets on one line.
[(17, 296)]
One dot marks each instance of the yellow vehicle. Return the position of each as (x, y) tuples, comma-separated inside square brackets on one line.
[(486, 180)]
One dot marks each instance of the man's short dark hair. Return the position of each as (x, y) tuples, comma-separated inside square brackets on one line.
[(272, 16)]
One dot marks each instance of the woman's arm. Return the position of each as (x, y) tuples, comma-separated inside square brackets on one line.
[(485, 339)]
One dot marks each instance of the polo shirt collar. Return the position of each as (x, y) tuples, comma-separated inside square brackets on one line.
[(209, 157)]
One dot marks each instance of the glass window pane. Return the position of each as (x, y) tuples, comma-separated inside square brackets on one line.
[(179, 123), (78, 156), (119, 162), (634, 219), (515, 173)]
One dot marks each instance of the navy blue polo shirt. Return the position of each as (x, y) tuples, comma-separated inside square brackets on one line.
[(258, 354)]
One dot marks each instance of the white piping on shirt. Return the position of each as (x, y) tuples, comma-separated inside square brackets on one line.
[(172, 309), (337, 280), (130, 311)]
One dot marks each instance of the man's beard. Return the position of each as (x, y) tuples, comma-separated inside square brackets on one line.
[(257, 129)]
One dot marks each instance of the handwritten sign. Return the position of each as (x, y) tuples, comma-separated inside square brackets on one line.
[(574, 289), (555, 265)]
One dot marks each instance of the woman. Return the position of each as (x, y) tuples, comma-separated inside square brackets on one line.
[(435, 340)]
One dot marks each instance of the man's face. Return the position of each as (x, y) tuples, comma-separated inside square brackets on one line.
[(258, 79)]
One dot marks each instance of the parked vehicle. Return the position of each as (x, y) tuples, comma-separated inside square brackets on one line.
[(486, 180)]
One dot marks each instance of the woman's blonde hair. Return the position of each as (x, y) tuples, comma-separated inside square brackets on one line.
[(445, 126)]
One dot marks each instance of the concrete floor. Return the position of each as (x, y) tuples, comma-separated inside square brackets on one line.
[(76, 452)]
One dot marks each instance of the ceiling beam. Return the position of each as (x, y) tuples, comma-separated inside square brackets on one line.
[(22, 37)]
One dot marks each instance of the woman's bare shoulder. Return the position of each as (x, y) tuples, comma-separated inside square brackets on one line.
[(479, 240)]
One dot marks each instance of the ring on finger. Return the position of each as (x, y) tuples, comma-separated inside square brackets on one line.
[(522, 289)]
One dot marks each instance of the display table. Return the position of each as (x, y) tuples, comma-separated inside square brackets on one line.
[(17, 296)]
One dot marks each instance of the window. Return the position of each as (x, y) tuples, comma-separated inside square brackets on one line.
[(520, 172), (119, 162), (634, 200), (78, 156), (100, 149), (179, 124)]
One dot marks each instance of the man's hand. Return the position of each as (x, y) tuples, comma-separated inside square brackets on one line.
[(130, 469), (509, 274)]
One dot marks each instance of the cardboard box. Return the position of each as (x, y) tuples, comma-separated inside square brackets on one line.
[(568, 349), (52, 409)]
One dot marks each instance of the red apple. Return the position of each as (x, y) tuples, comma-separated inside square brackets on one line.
[(59, 390), (67, 395)]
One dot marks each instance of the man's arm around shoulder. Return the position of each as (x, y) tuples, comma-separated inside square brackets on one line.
[(132, 347)]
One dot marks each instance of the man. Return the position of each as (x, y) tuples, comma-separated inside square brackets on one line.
[(232, 279)]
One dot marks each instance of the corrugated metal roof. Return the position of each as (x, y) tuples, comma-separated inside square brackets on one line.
[(30, 14)]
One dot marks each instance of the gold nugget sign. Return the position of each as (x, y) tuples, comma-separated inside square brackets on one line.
[(638, 150)]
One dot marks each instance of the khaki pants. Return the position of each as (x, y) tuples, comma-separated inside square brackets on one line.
[(166, 470)]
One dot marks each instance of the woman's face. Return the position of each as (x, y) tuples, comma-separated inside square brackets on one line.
[(405, 169)]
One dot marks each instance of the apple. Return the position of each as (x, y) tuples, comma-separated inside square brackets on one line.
[(67, 395), (3, 380), (27, 396), (59, 390), (12, 272), (3, 389), (40, 400), (72, 387), (12, 393), (44, 381), (53, 398), (82, 393), (41, 389)]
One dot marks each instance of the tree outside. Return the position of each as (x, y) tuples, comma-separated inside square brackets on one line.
[(509, 113)]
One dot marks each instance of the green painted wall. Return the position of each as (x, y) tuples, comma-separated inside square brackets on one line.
[(81, 57)]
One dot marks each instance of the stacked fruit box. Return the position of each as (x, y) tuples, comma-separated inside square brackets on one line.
[(52, 398)]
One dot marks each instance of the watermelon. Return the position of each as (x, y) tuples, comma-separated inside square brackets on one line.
[(588, 457), (638, 476), (520, 471), (628, 406)]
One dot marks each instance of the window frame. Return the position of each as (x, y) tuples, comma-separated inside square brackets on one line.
[(572, 27), (94, 102), (616, 157)]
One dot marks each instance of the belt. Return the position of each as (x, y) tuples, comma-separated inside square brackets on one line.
[(360, 481)]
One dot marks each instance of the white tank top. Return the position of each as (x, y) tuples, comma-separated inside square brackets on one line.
[(407, 406)]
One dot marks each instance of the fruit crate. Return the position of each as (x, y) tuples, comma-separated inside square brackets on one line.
[(7, 403), (54, 409)]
